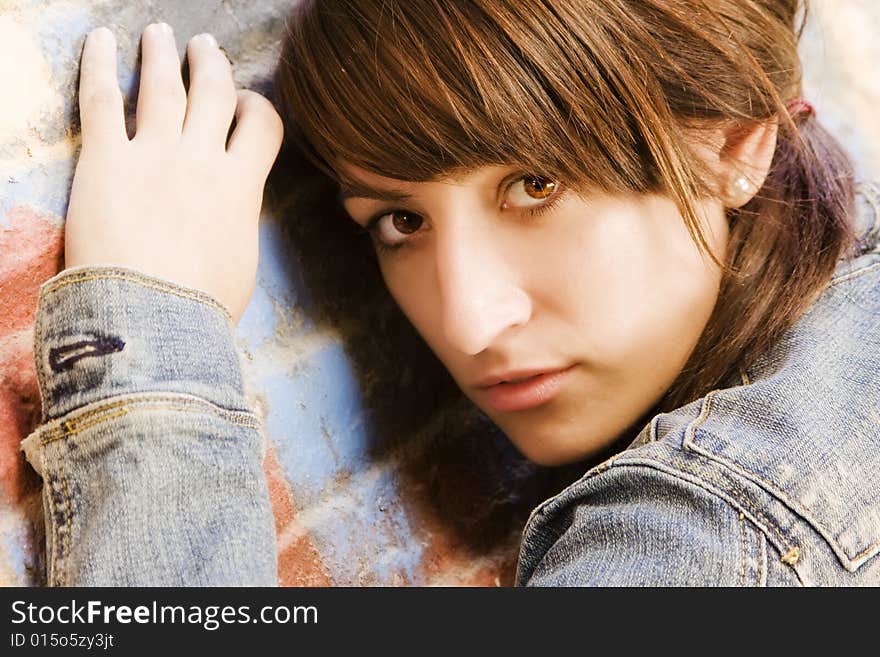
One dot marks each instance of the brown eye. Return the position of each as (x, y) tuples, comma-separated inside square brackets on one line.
[(531, 192), (406, 222), (538, 187), (394, 229)]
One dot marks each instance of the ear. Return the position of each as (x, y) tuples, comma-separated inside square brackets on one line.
[(743, 160), (737, 156)]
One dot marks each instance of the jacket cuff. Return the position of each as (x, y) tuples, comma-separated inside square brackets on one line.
[(102, 331)]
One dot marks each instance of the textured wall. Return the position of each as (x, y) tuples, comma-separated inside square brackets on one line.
[(343, 517)]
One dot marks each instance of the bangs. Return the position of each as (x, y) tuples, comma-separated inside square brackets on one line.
[(421, 89)]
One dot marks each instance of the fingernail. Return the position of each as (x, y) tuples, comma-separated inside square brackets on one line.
[(101, 35), (209, 38), (164, 28)]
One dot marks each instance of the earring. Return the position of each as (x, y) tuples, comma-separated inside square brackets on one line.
[(742, 184)]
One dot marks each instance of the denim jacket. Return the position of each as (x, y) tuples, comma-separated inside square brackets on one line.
[(151, 458)]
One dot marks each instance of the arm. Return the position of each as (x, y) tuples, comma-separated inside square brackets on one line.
[(150, 457)]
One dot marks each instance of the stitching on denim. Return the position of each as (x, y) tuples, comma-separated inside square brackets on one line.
[(797, 576), (70, 427), (243, 423), (702, 480), (742, 542), (164, 287), (68, 527), (723, 488), (823, 531), (785, 499), (80, 427), (38, 352), (690, 430), (48, 490), (100, 409), (853, 274), (762, 561), (77, 424), (867, 551), (739, 496), (652, 432), (705, 409), (60, 557)]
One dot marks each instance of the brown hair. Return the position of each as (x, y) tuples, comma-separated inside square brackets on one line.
[(597, 93)]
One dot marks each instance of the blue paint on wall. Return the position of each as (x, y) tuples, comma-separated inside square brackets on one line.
[(12, 542), (43, 187), (315, 421), (350, 505), (369, 539), (62, 31), (275, 297)]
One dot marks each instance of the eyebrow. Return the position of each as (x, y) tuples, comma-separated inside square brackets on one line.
[(359, 190)]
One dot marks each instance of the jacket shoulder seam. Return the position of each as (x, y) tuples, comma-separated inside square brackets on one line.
[(732, 497), (690, 445), (742, 514)]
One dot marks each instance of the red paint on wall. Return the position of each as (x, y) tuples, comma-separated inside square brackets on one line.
[(299, 563), (30, 252), (447, 561)]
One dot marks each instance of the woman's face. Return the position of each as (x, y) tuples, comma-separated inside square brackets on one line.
[(564, 317)]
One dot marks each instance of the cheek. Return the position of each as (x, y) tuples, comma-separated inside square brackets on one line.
[(634, 286), (415, 292)]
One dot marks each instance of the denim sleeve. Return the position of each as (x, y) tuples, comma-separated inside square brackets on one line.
[(150, 457), (639, 526)]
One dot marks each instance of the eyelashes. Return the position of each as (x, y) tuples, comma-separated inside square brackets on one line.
[(402, 221), (547, 206)]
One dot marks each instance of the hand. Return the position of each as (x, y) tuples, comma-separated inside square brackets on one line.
[(176, 201)]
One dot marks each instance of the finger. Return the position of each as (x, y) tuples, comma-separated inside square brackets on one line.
[(258, 132), (162, 97), (212, 98), (101, 112)]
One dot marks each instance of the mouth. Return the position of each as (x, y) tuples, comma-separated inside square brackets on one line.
[(521, 391)]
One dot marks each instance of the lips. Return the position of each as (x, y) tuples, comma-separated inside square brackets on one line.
[(525, 389)]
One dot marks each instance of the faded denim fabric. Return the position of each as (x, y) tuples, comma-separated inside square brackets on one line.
[(150, 456), (772, 481), (152, 461)]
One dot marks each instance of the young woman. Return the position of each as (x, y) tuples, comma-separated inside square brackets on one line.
[(616, 224)]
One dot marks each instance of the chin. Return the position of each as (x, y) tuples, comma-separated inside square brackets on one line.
[(550, 459), (556, 452), (554, 448)]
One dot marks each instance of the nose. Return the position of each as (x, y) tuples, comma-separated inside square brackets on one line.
[(480, 293)]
